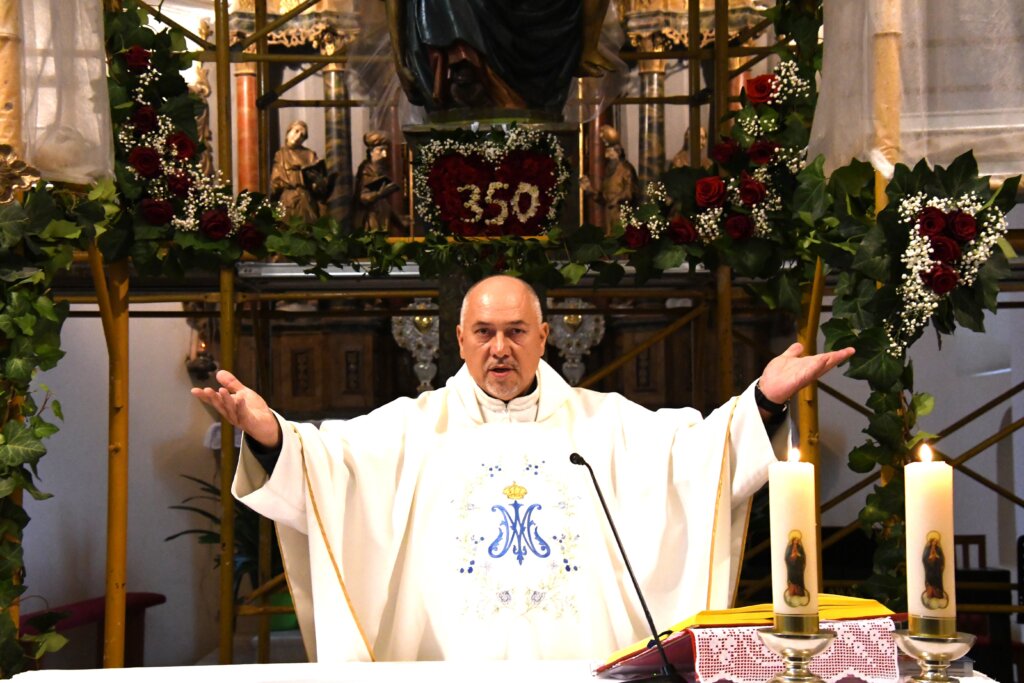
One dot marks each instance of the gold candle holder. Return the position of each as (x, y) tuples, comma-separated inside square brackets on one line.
[(933, 653), (797, 649)]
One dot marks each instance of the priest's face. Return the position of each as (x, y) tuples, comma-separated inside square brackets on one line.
[(501, 336)]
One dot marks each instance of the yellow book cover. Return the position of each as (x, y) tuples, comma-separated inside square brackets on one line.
[(830, 607)]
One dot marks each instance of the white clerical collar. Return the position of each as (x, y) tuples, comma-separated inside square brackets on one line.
[(519, 409)]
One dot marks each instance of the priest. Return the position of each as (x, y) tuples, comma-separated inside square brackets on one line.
[(453, 526)]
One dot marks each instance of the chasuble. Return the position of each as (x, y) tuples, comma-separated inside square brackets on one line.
[(453, 526)]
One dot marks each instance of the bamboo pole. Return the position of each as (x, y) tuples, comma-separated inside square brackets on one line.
[(227, 470), (227, 328), (807, 398), (117, 467)]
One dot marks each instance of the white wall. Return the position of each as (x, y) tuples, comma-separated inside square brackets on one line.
[(65, 543)]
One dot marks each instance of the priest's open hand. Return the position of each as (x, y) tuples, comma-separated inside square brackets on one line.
[(242, 407), (789, 372)]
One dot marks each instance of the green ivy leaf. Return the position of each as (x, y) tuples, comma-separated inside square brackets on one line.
[(873, 258), (573, 272), (863, 459), (887, 430), (669, 256), (811, 199), (19, 369), (61, 229), (20, 447), (873, 362), (854, 299)]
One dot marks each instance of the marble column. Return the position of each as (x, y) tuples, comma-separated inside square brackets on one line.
[(338, 144), (652, 114), (247, 149)]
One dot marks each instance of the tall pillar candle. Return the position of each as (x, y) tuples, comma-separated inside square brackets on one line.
[(794, 536), (931, 593)]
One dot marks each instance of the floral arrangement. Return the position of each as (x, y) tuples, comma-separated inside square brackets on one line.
[(504, 181), (738, 212), (949, 239), (167, 198)]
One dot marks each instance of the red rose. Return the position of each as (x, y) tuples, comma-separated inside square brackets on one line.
[(725, 151), (179, 184), (944, 249), (215, 224), (145, 161), (156, 211), (182, 144), (144, 119), (681, 230), (635, 237), (136, 58), (759, 90), (751, 191), (739, 226), (762, 152), (963, 226), (250, 238), (710, 191), (931, 222), (941, 279)]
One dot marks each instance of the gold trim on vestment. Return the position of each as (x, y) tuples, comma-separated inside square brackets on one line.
[(718, 500), (330, 554)]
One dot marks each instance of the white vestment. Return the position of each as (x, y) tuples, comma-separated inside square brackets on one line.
[(453, 526)]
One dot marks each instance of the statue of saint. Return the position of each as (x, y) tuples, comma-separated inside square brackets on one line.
[(479, 53), (373, 210), (298, 178), (682, 157), (620, 184)]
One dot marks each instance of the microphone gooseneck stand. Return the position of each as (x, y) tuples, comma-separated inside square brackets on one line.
[(668, 673)]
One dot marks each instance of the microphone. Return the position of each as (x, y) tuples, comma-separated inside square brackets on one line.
[(668, 672)]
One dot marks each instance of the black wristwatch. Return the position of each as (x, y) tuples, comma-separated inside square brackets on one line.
[(776, 411)]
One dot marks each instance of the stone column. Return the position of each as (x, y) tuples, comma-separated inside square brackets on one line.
[(654, 26)]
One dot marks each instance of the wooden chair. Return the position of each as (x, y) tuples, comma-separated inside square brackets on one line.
[(962, 547)]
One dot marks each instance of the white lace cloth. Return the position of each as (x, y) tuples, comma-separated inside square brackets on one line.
[(863, 648)]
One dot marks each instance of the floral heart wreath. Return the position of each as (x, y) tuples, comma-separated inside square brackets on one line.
[(507, 181)]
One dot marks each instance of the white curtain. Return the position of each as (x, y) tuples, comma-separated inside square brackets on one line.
[(962, 82), (66, 121)]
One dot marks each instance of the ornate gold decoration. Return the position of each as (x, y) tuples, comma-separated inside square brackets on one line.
[(514, 492), (669, 20), (15, 174)]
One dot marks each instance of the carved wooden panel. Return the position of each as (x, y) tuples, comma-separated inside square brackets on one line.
[(353, 371), (299, 365)]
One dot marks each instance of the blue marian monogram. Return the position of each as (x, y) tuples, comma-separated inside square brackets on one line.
[(517, 533)]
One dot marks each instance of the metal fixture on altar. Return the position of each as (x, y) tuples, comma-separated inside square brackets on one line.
[(419, 335), (933, 654), (797, 650), (574, 334)]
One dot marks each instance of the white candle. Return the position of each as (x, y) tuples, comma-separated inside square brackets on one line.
[(929, 513), (794, 531)]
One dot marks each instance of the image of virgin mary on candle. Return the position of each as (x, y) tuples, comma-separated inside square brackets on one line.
[(796, 594), (934, 560)]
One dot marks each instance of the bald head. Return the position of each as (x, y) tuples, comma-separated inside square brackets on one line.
[(501, 285), (501, 335)]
